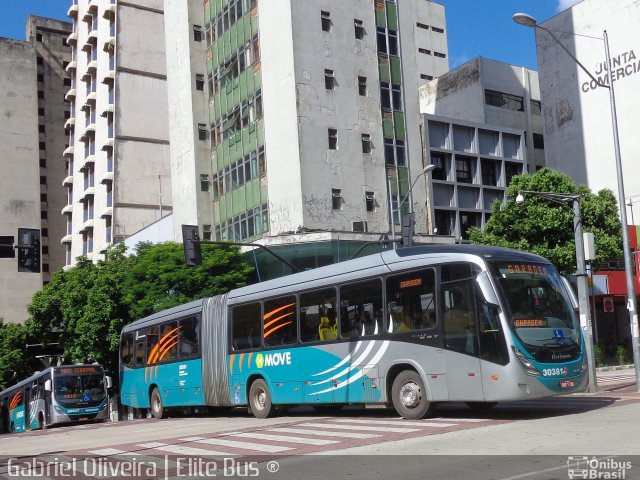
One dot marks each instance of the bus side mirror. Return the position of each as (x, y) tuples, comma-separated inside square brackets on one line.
[(488, 292), (47, 385), (570, 292), (109, 381)]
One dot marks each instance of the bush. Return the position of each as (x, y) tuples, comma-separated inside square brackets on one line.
[(598, 354), (622, 355)]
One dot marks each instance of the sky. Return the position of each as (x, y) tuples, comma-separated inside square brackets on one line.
[(474, 27)]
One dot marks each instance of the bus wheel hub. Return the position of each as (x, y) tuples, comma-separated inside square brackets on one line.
[(410, 394)]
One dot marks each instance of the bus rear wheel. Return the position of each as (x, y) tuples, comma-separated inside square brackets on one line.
[(157, 409), (409, 396), (260, 399)]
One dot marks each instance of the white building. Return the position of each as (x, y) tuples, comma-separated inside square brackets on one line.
[(577, 118), (118, 178), (312, 119), (482, 125)]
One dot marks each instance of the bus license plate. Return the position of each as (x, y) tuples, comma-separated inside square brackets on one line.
[(567, 384)]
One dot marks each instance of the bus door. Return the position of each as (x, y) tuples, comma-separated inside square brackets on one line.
[(27, 408), (462, 353)]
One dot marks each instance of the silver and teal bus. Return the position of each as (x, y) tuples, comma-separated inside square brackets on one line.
[(408, 328), (65, 394)]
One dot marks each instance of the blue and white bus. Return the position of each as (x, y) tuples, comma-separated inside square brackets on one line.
[(56, 395), (410, 328)]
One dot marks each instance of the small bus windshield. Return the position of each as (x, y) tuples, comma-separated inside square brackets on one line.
[(540, 312), (79, 390)]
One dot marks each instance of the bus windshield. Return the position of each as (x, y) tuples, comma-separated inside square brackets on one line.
[(540, 313), (85, 390)]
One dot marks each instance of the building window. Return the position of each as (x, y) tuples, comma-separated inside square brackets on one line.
[(425, 51), (394, 152), (381, 38), (385, 95), (359, 29), (536, 107), (40, 61), (204, 182), (206, 232), (43, 180), (197, 33), (325, 18), (41, 111), (504, 100), (40, 94), (329, 79), (463, 170), (362, 86), (45, 250), (437, 29), (538, 140), (336, 198), (332, 134), (38, 37), (45, 266), (202, 131), (67, 82), (396, 96), (200, 82), (45, 232), (43, 162), (42, 129), (43, 197), (370, 201), (422, 25), (439, 54), (424, 76), (366, 143), (43, 215)]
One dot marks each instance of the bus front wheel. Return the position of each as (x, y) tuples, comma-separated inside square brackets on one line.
[(260, 399), (157, 409), (409, 396)]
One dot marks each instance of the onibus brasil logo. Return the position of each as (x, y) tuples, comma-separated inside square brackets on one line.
[(273, 359)]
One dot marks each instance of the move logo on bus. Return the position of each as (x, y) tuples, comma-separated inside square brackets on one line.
[(273, 359)]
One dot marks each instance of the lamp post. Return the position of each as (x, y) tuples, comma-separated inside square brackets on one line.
[(529, 21), (393, 211), (572, 201)]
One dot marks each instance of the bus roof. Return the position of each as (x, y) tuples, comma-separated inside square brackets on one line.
[(371, 264)]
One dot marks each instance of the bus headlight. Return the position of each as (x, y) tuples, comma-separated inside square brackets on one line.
[(526, 365)]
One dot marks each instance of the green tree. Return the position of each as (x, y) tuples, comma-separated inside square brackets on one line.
[(546, 228), (15, 363)]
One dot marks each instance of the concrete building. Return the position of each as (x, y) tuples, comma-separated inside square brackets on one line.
[(32, 139), (118, 178), (577, 119), (312, 120), (482, 125)]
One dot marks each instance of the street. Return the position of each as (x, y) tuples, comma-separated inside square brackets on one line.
[(509, 440)]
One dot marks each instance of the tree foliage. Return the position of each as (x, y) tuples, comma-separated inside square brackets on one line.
[(85, 308), (15, 362), (546, 228)]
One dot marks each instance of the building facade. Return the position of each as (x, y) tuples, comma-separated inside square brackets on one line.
[(482, 125), (118, 164), (577, 114), (312, 118), (32, 139)]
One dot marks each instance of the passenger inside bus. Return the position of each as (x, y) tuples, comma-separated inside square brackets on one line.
[(326, 331)]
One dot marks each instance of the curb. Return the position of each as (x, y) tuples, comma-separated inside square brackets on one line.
[(614, 367)]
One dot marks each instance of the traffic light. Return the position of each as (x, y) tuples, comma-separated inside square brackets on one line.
[(408, 228), (28, 250), (191, 242)]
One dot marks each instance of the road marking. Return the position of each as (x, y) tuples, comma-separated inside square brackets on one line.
[(284, 438), (359, 427), (107, 451), (235, 444), (179, 449), (469, 420), (325, 433), (395, 422)]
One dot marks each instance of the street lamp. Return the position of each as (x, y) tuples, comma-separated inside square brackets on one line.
[(529, 21), (425, 171), (572, 201)]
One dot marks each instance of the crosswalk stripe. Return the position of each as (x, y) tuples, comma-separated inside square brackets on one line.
[(325, 433), (400, 423), (359, 427), (469, 420), (107, 451), (182, 450), (283, 438), (235, 444)]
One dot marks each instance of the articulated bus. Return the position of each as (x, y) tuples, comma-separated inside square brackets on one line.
[(56, 395), (408, 328)]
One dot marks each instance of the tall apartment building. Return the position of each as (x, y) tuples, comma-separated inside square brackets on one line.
[(118, 167), (33, 81), (482, 125), (313, 120)]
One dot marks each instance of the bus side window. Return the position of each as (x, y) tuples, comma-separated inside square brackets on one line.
[(126, 349), (460, 322), (153, 335), (361, 309), (245, 326), (280, 324), (168, 349), (411, 301), (140, 352), (493, 347), (189, 339), (317, 315)]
